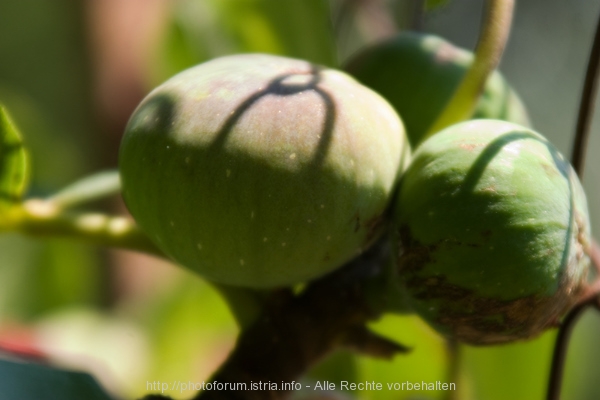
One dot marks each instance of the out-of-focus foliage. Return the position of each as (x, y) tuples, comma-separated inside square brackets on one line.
[(433, 4), (201, 30), (44, 85)]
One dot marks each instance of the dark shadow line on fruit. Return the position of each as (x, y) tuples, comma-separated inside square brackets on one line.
[(565, 169), (155, 115), (488, 154), (328, 123), (278, 87), (494, 147), (572, 221)]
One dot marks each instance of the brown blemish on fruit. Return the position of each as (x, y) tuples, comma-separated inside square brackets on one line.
[(373, 227), (549, 170), (486, 235), (468, 146), (583, 244), (412, 255), (491, 189), (471, 317), (356, 219)]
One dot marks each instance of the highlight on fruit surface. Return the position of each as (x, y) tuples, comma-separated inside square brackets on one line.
[(491, 233), (261, 171), (418, 74)]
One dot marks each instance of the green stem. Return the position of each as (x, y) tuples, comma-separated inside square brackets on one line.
[(40, 218), (43, 218), (492, 40)]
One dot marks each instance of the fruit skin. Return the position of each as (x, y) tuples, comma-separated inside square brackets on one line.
[(261, 171), (491, 232), (418, 73)]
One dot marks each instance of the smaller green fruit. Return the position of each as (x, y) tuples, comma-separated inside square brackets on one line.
[(491, 232), (418, 73)]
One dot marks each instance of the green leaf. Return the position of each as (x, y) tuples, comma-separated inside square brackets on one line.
[(203, 29), (14, 163), (293, 28), (27, 381), (433, 4), (90, 188)]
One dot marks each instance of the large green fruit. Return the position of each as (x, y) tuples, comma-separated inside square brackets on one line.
[(418, 73), (261, 171), (491, 232)]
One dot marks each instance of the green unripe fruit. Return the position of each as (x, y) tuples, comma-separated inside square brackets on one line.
[(492, 234), (261, 171), (418, 73)]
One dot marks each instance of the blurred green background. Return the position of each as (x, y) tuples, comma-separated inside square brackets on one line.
[(71, 74)]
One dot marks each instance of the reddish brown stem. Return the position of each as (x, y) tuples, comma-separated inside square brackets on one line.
[(296, 331), (586, 107), (560, 351), (589, 299)]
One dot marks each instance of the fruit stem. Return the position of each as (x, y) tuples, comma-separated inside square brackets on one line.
[(42, 218), (295, 331), (586, 106), (492, 40)]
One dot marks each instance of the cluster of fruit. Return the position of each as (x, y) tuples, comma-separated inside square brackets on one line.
[(263, 171)]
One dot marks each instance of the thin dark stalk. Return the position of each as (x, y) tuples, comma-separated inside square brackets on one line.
[(560, 351), (582, 133), (453, 370), (566, 328), (586, 107)]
